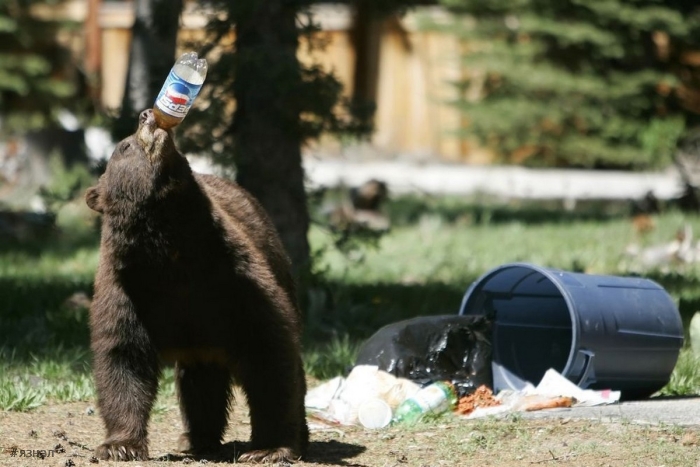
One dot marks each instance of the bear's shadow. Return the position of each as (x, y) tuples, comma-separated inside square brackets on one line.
[(320, 452)]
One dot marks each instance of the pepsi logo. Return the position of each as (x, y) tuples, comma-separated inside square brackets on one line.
[(178, 93)]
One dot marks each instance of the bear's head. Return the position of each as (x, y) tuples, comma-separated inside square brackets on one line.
[(144, 167)]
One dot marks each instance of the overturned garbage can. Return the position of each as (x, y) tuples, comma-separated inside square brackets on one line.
[(600, 332)]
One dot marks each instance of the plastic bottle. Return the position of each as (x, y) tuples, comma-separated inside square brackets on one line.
[(179, 90), (436, 398)]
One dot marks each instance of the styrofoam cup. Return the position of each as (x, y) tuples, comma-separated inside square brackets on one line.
[(374, 413)]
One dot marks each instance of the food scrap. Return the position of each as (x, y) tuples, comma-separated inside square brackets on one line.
[(482, 397), (531, 404)]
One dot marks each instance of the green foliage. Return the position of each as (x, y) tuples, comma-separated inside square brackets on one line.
[(38, 76), (67, 183), (332, 359), (685, 379), (575, 82)]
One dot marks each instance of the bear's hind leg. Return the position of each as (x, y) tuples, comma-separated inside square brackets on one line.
[(204, 391), (275, 389)]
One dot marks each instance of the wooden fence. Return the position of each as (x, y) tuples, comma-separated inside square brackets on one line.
[(412, 81)]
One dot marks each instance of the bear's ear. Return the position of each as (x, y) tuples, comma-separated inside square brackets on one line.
[(92, 198)]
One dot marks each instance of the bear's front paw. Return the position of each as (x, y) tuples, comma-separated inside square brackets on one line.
[(122, 451), (268, 456)]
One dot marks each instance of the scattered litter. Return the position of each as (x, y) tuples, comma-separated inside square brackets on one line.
[(553, 392), (370, 397), (554, 384), (434, 348), (481, 398), (434, 399), (338, 401), (374, 413), (533, 403)]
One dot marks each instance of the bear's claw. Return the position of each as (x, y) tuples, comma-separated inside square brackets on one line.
[(268, 456), (122, 452)]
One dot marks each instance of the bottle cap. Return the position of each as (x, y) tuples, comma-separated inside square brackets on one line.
[(374, 413)]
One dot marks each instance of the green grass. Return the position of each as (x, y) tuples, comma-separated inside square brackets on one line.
[(437, 247), (28, 380), (685, 378), (325, 361), (425, 264), (166, 393)]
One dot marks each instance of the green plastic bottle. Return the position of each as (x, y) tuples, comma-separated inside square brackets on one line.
[(435, 399)]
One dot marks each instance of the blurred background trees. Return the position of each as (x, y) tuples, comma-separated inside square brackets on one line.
[(38, 74), (572, 83), (43, 103), (578, 83)]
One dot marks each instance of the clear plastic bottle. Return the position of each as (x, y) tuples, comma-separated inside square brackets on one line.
[(179, 90), (436, 398)]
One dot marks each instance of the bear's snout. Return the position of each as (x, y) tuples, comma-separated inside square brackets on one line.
[(146, 117), (156, 142)]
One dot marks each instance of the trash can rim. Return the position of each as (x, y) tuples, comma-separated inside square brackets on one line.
[(551, 275)]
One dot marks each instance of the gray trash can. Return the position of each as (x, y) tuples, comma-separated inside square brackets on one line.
[(601, 332)]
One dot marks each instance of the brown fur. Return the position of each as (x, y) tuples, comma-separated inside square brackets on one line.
[(191, 271)]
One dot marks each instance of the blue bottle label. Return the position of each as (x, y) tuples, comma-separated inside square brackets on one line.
[(176, 95)]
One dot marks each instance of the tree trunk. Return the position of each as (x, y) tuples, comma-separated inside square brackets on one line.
[(152, 54), (266, 122), (366, 39), (93, 51)]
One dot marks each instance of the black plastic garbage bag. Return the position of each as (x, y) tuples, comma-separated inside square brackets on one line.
[(434, 348)]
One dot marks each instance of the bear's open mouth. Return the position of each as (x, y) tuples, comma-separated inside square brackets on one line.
[(151, 137)]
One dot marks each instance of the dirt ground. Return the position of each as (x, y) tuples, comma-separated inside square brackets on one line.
[(73, 430)]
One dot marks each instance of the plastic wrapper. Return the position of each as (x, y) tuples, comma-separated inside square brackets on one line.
[(343, 400), (434, 348)]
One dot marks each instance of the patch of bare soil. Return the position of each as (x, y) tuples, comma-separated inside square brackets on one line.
[(70, 432)]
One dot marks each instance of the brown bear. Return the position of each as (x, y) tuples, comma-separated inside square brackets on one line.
[(191, 272)]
